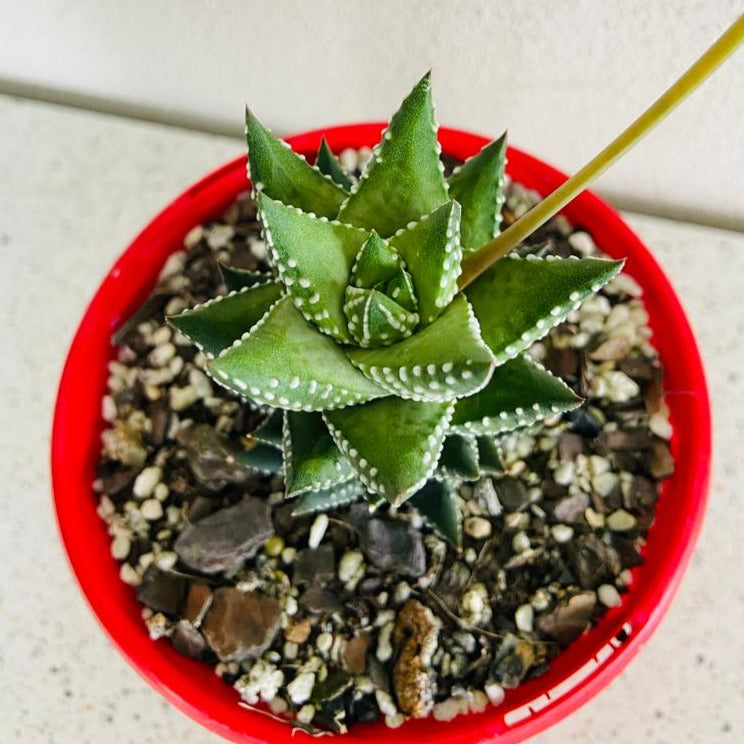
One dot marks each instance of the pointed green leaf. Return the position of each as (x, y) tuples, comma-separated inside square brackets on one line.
[(478, 185), (404, 180), (314, 258), (518, 300), (376, 320), (376, 262), (236, 278), (276, 170), (327, 163), (489, 455), (520, 393), (286, 363), (312, 461), (432, 254), (392, 444), (436, 502), (214, 325), (325, 499), (459, 458), (270, 431), (263, 458), (444, 361)]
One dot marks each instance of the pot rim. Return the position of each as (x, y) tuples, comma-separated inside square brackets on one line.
[(579, 672)]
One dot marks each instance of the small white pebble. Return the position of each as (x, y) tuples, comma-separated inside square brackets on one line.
[(351, 566), (524, 618), (183, 397), (621, 521), (624, 578), (145, 482), (120, 547), (446, 710), (385, 703), (349, 159), (161, 355), (201, 383), (495, 693), (594, 518), (151, 510), (659, 425), (564, 473), (289, 555), (609, 596), (401, 592), (291, 650), (160, 492), (395, 721), (324, 642), (384, 645), (520, 542), (108, 408), (582, 242), (318, 530), (477, 527), (477, 701), (562, 533), (128, 575), (604, 483), (306, 713), (166, 560)]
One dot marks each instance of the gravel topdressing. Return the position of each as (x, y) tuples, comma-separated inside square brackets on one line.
[(353, 616)]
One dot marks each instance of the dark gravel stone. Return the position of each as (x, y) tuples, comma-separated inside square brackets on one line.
[(198, 601), (241, 625), (188, 640), (583, 422), (315, 566), (211, 457), (591, 561), (512, 493), (571, 508), (642, 493), (512, 662), (568, 621), (393, 545), (626, 439), (318, 601), (221, 541), (162, 591), (363, 709)]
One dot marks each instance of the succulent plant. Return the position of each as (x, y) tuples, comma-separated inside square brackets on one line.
[(381, 377)]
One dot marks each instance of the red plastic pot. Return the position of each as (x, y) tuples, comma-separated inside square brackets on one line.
[(577, 674)]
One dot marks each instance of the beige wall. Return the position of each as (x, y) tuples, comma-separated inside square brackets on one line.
[(562, 75)]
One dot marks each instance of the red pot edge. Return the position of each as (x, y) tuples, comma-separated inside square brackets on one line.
[(222, 716)]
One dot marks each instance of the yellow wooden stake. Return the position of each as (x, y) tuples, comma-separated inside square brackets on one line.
[(542, 212)]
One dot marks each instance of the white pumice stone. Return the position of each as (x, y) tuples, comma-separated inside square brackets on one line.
[(609, 596), (324, 642), (524, 618), (145, 482), (108, 409), (166, 560), (318, 530), (477, 701), (301, 687), (446, 710)]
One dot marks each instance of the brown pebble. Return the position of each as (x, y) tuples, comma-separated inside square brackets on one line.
[(198, 600), (354, 655), (660, 462), (241, 625), (415, 636), (298, 631)]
